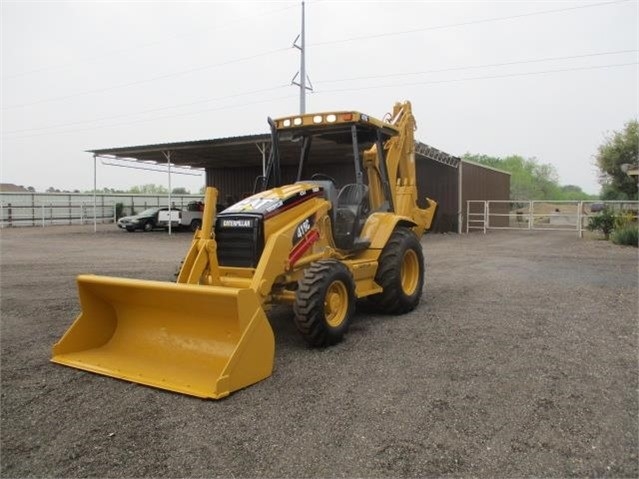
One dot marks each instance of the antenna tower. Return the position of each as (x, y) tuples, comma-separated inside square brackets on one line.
[(303, 77)]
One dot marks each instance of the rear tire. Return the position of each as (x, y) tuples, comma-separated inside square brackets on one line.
[(400, 273), (148, 226), (325, 303)]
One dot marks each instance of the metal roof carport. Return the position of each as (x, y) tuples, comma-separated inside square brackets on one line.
[(233, 163)]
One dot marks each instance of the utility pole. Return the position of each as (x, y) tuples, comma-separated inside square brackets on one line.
[(302, 72)]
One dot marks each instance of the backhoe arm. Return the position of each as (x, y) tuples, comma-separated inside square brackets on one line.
[(400, 162)]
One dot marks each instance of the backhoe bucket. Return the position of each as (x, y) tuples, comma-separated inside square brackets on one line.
[(206, 341)]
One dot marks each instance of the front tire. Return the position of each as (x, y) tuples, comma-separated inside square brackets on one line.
[(195, 224), (325, 303), (400, 273)]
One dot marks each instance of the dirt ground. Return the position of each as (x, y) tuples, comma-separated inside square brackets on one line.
[(520, 361)]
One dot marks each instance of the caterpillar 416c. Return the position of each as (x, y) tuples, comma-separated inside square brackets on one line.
[(309, 244)]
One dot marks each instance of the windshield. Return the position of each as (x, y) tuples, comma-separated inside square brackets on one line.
[(336, 150), (148, 212)]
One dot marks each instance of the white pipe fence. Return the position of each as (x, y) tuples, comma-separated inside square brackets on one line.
[(46, 209), (537, 215)]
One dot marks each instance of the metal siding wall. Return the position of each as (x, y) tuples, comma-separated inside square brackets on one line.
[(342, 173), (480, 183), (235, 182), (439, 182), (238, 182)]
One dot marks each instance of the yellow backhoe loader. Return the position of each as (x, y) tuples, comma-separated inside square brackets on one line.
[(309, 244)]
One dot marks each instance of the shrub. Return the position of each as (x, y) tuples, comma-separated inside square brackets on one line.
[(625, 218), (119, 209), (626, 235), (604, 222)]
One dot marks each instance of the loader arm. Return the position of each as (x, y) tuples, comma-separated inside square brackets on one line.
[(200, 265)]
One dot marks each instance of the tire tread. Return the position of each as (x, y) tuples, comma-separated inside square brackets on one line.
[(393, 300), (309, 316)]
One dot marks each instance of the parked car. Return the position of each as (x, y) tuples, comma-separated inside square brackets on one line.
[(145, 221)]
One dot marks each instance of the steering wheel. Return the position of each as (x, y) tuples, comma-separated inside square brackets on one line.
[(322, 176)]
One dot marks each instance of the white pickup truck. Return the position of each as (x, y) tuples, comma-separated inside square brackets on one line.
[(191, 217)]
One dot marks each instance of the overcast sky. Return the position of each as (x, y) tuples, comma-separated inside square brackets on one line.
[(539, 79)]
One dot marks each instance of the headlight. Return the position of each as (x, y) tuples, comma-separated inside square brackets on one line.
[(287, 122), (331, 118), (317, 119), (297, 121)]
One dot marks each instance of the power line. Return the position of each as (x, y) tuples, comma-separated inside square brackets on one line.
[(463, 24), (264, 90), (145, 45), (470, 67), (156, 118), (152, 110), (332, 91), (488, 77), (205, 67), (147, 80)]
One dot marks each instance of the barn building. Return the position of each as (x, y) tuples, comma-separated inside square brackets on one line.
[(232, 165)]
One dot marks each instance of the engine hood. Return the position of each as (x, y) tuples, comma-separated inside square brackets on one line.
[(270, 202)]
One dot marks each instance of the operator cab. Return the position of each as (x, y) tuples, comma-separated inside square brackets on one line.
[(335, 142)]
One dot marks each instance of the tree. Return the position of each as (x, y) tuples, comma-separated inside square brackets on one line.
[(149, 189), (573, 192), (106, 190), (530, 179), (622, 148), (180, 191)]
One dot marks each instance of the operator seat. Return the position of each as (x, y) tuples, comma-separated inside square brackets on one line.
[(329, 189), (350, 216)]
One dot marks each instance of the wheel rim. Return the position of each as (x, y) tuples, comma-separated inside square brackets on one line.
[(410, 272), (336, 304)]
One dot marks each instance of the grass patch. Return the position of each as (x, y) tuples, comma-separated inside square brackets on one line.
[(626, 235)]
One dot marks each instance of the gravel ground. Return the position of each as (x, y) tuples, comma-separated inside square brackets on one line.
[(520, 361)]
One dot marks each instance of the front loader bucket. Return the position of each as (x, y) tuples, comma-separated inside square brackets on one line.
[(206, 341)]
